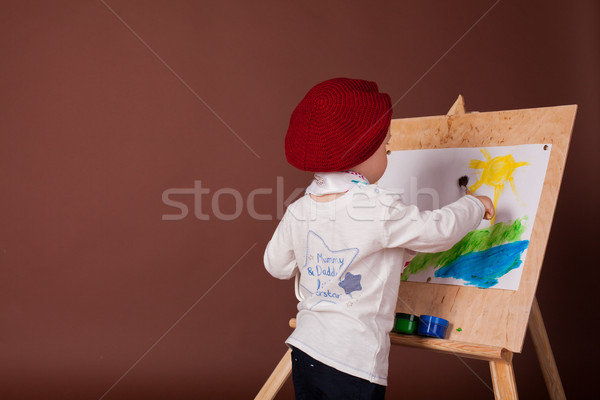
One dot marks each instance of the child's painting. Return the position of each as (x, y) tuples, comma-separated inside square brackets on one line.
[(492, 256)]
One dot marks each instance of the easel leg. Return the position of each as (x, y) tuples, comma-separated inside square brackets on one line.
[(503, 378), (279, 375), (544, 353)]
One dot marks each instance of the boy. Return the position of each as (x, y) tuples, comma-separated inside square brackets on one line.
[(348, 240)]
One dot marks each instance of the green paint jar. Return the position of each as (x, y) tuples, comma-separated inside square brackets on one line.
[(406, 323)]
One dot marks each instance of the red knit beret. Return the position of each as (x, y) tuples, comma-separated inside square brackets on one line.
[(337, 125)]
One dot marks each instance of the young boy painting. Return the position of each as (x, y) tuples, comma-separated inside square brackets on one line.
[(348, 239)]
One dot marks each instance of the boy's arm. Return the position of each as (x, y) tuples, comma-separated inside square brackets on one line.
[(279, 258), (432, 231)]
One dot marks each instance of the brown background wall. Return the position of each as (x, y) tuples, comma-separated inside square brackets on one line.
[(102, 111)]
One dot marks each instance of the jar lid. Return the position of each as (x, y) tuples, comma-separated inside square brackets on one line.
[(434, 320), (409, 317)]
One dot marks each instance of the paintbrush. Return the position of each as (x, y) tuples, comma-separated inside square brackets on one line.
[(463, 181)]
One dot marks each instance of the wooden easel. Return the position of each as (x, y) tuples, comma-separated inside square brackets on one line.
[(493, 321)]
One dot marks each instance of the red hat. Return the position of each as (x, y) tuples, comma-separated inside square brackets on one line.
[(337, 125)]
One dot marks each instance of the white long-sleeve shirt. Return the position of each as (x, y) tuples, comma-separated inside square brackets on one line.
[(350, 253)]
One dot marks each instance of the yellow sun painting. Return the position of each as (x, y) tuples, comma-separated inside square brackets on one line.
[(495, 173)]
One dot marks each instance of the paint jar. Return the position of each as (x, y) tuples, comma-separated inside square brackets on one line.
[(406, 323), (432, 326)]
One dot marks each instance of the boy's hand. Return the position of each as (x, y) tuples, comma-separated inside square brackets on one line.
[(490, 211)]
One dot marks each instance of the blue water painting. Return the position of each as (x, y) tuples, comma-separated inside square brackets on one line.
[(483, 268)]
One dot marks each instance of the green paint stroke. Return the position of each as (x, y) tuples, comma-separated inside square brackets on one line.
[(479, 240)]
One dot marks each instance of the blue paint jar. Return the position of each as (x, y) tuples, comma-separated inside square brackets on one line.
[(432, 326)]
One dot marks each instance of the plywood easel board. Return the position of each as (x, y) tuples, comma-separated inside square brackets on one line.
[(491, 317)]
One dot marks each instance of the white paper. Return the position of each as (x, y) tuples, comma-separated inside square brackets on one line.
[(429, 179)]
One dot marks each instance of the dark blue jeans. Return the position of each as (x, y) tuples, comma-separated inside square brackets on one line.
[(315, 380)]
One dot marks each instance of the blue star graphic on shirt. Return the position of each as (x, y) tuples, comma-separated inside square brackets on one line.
[(323, 267), (351, 283)]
